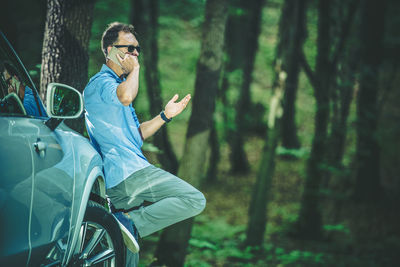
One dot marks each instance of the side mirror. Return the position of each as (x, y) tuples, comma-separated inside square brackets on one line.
[(63, 101)]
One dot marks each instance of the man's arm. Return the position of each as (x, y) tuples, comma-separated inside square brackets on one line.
[(128, 89), (172, 109), (148, 128)]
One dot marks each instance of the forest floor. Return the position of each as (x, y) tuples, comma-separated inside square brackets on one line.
[(219, 231)]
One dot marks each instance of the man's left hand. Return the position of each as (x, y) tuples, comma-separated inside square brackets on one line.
[(174, 108)]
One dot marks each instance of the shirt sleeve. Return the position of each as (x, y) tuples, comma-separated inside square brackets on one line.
[(30, 103), (30, 107), (108, 90)]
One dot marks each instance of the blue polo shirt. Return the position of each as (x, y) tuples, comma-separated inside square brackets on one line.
[(30, 105), (113, 128)]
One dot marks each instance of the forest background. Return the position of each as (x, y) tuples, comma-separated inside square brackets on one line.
[(292, 133)]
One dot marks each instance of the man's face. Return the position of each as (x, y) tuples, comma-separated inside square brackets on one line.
[(127, 38), (6, 76)]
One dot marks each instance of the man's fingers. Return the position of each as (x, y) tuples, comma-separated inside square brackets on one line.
[(120, 58), (185, 100), (174, 98)]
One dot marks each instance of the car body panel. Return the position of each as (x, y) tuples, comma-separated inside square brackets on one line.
[(46, 177), (15, 193), (58, 181)]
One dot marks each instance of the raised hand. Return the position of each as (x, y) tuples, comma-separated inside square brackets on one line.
[(128, 63), (174, 108)]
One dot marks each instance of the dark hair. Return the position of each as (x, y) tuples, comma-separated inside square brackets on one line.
[(110, 35), (11, 69)]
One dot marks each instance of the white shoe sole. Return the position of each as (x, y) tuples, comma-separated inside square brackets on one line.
[(129, 239)]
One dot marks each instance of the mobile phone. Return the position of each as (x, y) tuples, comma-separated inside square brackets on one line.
[(113, 55), (15, 83)]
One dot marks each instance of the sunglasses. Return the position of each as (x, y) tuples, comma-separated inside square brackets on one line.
[(131, 48)]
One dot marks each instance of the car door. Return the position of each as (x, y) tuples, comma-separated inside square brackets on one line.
[(47, 192), (15, 193), (16, 173), (53, 189)]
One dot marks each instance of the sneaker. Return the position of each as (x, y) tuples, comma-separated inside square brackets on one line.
[(128, 231)]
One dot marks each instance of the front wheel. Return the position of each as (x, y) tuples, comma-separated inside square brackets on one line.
[(100, 240)]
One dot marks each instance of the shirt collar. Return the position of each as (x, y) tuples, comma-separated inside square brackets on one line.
[(107, 69)]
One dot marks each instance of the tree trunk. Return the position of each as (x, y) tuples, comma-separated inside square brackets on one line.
[(367, 187), (389, 132), (292, 33), (65, 56), (345, 65), (310, 221), (239, 162), (145, 20), (172, 246), (389, 108), (345, 91), (215, 155), (258, 206)]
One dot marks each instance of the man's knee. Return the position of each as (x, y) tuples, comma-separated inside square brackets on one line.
[(198, 203)]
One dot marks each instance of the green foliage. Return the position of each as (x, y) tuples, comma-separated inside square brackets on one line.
[(35, 74), (297, 153), (150, 148), (337, 228), (310, 48), (202, 244), (297, 256), (197, 262), (217, 241), (105, 12), (337, 171), (216, 230)]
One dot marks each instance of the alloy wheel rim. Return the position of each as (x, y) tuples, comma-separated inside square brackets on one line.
[(95, 246)]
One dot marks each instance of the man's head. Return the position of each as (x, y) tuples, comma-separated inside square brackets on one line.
[(119, 34), (9, 70), (12, 79)]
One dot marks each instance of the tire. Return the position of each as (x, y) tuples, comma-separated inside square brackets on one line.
[(100, 241)]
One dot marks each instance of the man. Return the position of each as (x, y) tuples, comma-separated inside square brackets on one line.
[(30, 100), (115, 130)]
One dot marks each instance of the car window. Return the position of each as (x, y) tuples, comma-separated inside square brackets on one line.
[(15, 81)]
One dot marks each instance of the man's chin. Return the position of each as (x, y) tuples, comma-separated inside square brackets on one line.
[(125, 72)]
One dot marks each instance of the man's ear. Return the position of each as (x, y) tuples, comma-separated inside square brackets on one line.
[(108, 49)]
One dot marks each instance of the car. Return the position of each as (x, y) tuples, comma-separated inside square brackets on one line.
[(52, 190)]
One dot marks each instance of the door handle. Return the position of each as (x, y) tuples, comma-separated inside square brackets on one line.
[(40, 147)]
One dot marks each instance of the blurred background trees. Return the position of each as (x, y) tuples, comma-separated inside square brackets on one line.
[(173, 243), (144, 15), (318, 187)]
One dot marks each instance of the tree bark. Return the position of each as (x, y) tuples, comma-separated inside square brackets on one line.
[(389, 109), (345, 65), (309, 224), (145, 19), (239, 162), (172, 246), (367, 187), (345, 92), (259, 201), (215, 155), (292, 33), (65, 56)]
